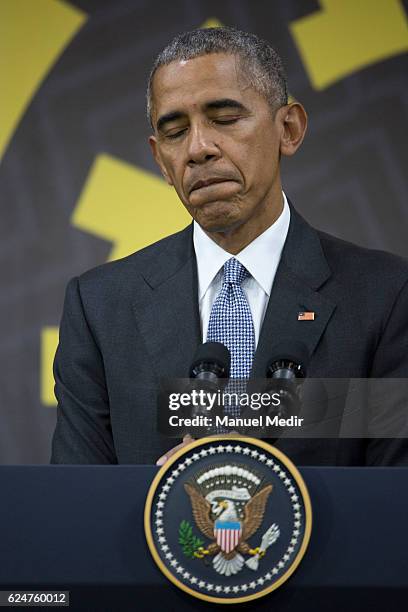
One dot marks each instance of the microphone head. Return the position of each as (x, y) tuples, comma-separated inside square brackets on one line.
[(291, 355), (213, 357)]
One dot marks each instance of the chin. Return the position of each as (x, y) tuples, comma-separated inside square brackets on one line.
[(216, 217), (217, 225)]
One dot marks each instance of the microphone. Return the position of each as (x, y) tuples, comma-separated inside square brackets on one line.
[(289, 361), (211, 363), (286, 370), (210, 372)]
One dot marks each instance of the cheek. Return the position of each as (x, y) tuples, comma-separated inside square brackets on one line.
[(175, 171), (264, 157), (255, 152), (172, 167)]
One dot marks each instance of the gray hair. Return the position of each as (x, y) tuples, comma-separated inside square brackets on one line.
[(263, 66)]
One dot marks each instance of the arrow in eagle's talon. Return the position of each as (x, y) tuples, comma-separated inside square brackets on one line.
[(269, 537)]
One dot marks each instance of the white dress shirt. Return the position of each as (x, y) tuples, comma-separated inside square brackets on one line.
[(261, 258)]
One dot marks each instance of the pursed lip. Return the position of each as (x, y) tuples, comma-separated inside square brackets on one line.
[(209, 181)]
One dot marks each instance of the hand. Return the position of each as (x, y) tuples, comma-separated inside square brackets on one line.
[(186, 441)]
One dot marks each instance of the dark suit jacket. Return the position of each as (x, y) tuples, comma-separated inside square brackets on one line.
[(130, 322)]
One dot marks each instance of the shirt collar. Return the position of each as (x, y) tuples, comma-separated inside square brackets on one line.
[(266, 247)]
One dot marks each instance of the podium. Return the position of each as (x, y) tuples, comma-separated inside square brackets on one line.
[(80, 529)]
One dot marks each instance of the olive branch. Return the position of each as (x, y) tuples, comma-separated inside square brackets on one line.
[(189, 542)]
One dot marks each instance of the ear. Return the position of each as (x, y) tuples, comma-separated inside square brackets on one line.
[(293, 119), (156, 154)]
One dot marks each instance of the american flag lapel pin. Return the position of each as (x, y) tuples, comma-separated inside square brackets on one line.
[(306, 316)]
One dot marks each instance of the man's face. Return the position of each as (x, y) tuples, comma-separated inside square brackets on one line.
[(217, 142)]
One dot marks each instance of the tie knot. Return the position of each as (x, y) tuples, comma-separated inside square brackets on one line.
[(234, 271)]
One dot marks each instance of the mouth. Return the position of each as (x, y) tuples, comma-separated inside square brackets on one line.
[(207, 182)]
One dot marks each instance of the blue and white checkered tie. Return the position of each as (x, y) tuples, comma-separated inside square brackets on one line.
[(231, 320)]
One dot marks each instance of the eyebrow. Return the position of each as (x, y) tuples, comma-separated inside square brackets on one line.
[(213, 104), (167, 118), (225, 103)]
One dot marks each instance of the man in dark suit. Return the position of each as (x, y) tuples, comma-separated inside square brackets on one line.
[(217, 101)]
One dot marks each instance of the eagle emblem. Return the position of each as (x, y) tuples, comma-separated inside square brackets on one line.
[(228, 505), (228, 519)]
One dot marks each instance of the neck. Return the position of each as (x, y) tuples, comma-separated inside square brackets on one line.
[(235, 239)]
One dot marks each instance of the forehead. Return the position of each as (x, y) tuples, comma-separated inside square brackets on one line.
[(189, 83)]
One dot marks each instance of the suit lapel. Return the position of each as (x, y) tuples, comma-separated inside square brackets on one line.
[(303, 270), (167, 307)]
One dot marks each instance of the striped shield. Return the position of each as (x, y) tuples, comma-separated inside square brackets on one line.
[(228, 534)]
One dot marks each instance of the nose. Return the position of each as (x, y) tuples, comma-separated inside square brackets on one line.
[(201, 145)]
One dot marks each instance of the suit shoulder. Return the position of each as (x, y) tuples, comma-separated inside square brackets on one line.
[(344, 256), (118, 271)]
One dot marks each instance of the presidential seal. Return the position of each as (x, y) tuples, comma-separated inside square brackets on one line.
[(228, 519)]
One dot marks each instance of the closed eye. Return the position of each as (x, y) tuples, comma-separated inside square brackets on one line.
[(219, 121), (176, 134), (226, 121)]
